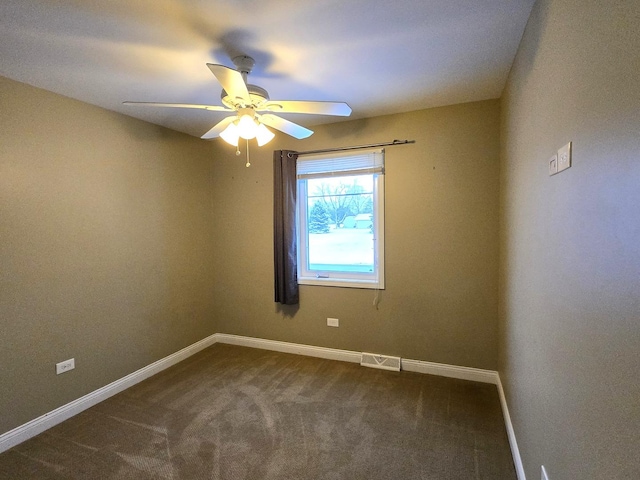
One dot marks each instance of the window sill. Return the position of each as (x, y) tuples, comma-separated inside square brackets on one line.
[(341, 282)]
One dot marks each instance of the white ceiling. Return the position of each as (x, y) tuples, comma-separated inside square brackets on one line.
[(379, 56)]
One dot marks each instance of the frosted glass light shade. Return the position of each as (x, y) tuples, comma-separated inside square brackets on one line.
[(247, 127), (264, 135), (231, 134)]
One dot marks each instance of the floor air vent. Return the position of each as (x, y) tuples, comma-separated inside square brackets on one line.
[(383, 362)]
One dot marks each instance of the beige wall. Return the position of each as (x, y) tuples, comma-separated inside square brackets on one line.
[(440, 302), (123, 242), (106, 240), (570, 310)]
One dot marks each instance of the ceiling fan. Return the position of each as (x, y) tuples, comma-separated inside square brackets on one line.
[(253, 110)]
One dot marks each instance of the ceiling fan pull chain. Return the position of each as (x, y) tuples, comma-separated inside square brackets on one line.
[(248, 162)]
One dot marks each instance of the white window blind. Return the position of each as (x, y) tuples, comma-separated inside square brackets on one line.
[(341, 164)]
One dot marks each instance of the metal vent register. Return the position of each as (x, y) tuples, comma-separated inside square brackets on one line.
[(384, 362)]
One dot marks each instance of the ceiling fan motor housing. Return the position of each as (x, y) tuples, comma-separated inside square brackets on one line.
[(258, 96)]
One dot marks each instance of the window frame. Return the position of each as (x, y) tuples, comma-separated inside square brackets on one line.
[(369, 280)]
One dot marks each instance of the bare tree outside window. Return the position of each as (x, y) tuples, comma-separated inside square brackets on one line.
[(343, 197)]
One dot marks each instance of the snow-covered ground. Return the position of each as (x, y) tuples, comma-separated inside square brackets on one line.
[(342, 246)]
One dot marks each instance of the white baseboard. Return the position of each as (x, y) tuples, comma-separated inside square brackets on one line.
[(451, 371), (443, 370), (48, 420), (286, 347), (54, 417), (515, 452)]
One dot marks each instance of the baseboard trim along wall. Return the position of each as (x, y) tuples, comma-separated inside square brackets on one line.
[(286, 347), (48, 420), (451, 371), (515, 452), (59, 415)]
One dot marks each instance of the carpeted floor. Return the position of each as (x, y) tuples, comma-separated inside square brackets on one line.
[(234, 413)]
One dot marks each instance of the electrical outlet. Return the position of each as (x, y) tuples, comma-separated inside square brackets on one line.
[(564, 157), (333, 322), (543, 474), (65, 366)]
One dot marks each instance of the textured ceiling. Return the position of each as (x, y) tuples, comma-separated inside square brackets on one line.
[(379, 56)]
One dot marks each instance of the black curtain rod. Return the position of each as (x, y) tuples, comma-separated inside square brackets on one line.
[(357, 147)]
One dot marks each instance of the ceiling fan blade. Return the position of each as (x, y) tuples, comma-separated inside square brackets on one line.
[(339, 109), (214, 108), (218, 128), (232, 81), (290, 128)]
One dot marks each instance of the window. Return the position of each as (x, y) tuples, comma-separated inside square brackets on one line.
[(341, 220)]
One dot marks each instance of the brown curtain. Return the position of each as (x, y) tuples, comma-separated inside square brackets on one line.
[(284, 227)]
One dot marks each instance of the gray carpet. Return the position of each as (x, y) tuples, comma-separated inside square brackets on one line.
[(234, 413)]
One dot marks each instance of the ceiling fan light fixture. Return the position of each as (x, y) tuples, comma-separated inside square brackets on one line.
[(244, 101), (264, 135), (247, 127), (231, 134)]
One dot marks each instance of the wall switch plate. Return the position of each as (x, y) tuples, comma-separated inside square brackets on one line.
[(564, 157), (553, 165), (333, 322), (543, 474), (65, 366)]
